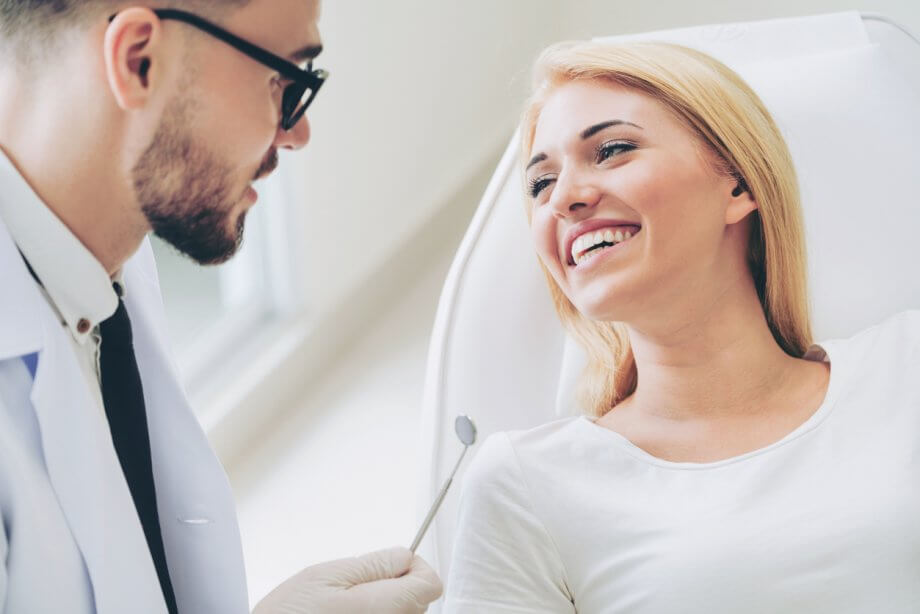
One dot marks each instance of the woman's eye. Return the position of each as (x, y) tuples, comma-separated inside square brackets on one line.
[(612, 148), (537, 184)]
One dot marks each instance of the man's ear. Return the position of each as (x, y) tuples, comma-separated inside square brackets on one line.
[(132, 56), (740, 204)]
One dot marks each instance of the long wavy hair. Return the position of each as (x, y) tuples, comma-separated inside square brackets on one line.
[(716, 105)]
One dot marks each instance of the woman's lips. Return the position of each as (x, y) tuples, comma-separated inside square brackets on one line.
[(589, 258), (591, 225), (587, 237)]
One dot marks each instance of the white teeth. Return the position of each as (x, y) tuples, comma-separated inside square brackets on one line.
[(585, 242), (588, 255)]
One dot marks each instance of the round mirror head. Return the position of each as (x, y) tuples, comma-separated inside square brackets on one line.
[(466, 430)]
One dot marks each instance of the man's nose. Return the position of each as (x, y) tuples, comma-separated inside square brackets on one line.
[(295, 138)]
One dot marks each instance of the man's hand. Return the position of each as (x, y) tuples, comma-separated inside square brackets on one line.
[(390, 581)]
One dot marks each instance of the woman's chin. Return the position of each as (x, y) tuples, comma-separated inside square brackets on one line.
[(608, 296), (603, 308)]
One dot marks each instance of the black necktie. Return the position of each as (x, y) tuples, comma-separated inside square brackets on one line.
[(123, 397)]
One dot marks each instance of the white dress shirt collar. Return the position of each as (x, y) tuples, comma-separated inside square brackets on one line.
[(75, 281)]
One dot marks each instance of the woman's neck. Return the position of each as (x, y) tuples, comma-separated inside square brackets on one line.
[(719, 362)]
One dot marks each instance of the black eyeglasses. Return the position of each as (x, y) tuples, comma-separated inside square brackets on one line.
[(304, 83)]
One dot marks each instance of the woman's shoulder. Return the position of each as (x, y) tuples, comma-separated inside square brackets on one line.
[(514, 482), (544, 438), (508, 455)]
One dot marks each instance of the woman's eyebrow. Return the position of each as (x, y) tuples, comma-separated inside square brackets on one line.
[(537, 158), (587, 133)]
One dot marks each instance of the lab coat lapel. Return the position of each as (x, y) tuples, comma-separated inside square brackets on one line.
[(20, 322), (90, 486), (80, 458), (195, 503)]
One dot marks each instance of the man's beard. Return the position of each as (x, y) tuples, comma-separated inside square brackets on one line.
[(185, 191)]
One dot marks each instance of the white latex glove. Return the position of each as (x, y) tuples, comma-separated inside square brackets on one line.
[(392, 581)]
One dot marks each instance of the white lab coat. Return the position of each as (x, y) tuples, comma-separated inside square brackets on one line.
[(71, 541)]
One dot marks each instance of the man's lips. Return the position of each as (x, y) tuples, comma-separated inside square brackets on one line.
[(591, 225)]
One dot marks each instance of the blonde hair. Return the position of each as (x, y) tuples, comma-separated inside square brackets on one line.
[(727, 116)]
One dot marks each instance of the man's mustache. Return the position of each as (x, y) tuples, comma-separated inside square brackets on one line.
[(269, 164)]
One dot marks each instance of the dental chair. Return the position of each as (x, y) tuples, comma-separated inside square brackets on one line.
[(845, 91)]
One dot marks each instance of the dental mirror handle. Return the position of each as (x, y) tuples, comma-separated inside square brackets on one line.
[(434, 510), (436, 505)]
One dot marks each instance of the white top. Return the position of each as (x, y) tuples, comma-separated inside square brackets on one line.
[(572, 517), (73, 281)]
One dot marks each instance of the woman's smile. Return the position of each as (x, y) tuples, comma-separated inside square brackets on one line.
[(592, 248)]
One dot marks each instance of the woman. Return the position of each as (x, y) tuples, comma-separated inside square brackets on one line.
[(729, 465)]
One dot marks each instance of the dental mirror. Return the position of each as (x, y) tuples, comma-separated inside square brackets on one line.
[(466, 433), (466, 430)]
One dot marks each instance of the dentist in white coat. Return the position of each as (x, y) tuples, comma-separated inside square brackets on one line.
[(118, 119)]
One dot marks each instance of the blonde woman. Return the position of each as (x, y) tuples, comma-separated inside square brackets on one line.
[(728, 465)]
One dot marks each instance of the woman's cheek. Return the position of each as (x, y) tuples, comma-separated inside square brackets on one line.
[(545, 242)]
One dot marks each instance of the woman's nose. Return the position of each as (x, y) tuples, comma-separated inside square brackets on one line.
[(295, 138), (573, 194)]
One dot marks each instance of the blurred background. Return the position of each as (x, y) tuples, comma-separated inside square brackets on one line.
[(305, 355)]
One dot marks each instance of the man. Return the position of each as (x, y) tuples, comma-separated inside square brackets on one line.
[(117, 120)]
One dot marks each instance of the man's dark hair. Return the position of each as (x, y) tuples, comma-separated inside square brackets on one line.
[(35, 23)]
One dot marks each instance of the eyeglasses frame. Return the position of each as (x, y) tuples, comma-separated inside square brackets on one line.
[(300, 79)]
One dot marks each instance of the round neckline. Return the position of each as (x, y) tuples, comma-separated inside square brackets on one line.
[(821, 352)]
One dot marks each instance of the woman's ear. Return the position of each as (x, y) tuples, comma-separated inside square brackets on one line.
[(132, 49), (740, 204)]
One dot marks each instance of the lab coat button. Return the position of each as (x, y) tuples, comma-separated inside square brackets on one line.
[(83, 326)]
